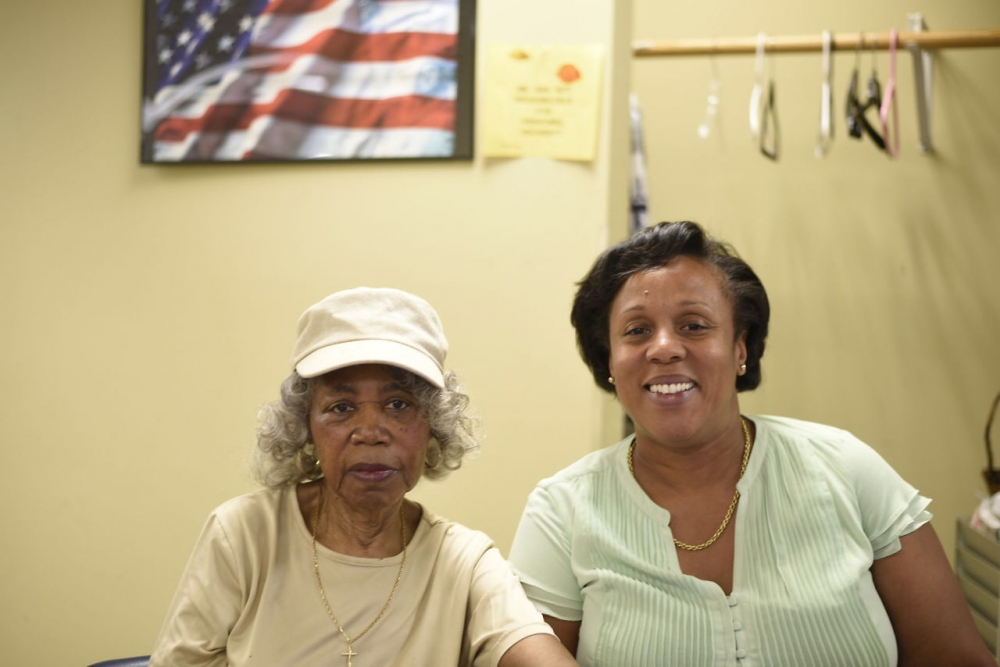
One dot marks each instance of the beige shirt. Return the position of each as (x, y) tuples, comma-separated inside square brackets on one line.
[(249, 597)]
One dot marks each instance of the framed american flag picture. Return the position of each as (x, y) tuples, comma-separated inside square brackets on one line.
[(294, 80)]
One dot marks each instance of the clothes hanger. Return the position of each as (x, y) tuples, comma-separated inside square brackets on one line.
[(758, 87), (889, 101), (770, 134), (857, 123), (825, 138), (852, 118), (874, 100), (712, 103)]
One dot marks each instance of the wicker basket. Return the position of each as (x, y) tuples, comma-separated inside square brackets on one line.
[(991, 474)]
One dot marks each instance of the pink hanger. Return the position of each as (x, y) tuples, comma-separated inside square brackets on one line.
[(889, 100)]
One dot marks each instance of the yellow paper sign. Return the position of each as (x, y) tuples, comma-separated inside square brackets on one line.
[(542, 100)]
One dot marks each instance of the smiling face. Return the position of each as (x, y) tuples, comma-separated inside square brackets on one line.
[(370, 435), (674, 353)]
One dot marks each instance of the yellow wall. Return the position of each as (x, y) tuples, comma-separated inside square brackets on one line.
[(884, 276), (146, 312)]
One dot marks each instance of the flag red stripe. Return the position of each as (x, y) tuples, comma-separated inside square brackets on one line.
[(309, 108), (342, 45), (297, 6), (289, 7)]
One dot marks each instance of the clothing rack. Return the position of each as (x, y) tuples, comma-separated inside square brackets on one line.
[(919, 41), (939, 39)]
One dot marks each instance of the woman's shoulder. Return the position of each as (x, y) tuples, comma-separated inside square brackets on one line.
[(581, 483), (583, 470), (838, 448), (255, 506), (800, 435), (443, 535), (789, 428)]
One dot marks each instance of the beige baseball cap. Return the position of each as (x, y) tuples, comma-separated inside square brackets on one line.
[(371, 325)]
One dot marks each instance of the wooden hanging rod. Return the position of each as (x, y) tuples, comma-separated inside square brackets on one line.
[(936, 39)]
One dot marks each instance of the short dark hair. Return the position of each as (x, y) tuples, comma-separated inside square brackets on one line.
[(652, 248)]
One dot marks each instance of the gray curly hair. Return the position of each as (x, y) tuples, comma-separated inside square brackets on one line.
[(285, 456)]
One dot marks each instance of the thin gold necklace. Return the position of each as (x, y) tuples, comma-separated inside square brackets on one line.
[(732, 505), (349, 654)]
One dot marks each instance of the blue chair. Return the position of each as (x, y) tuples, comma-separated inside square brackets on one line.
[(140, 661)]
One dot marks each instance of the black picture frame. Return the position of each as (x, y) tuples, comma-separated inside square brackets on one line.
[(248, 81)]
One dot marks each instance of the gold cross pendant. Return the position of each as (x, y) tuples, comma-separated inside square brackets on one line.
[(350, 654)]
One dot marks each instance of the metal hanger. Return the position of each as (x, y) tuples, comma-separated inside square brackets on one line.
[(758, 87), (763, 117), (770, 132), (825, 138), (712, 102)]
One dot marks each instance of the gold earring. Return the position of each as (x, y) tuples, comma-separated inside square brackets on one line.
[(611, 379), (305, 465), (743, 369)]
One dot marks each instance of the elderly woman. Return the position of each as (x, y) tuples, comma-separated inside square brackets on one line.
[(331, 564), (709, 538)]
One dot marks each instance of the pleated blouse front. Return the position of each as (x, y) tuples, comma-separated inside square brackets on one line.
[(817, 507)]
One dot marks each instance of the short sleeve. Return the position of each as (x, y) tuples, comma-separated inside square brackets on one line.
[(205, 607), (541, 556), (499, 613), (890, 507)]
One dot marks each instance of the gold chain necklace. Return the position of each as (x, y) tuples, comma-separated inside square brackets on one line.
[(349, 654), (732, 505)]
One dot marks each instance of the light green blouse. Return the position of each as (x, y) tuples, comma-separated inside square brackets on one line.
[(817, 506)]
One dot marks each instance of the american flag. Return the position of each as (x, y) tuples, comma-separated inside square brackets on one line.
[(231, 80)]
